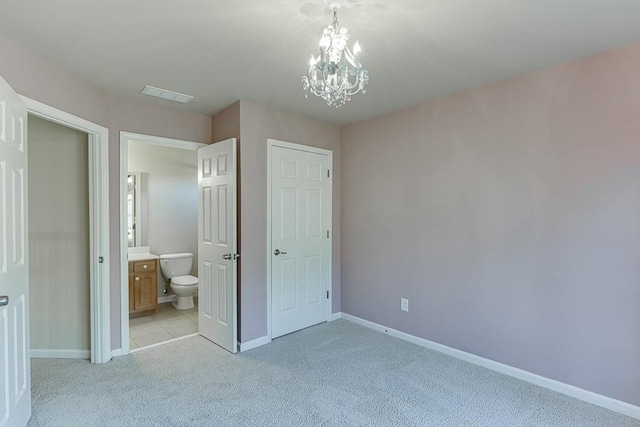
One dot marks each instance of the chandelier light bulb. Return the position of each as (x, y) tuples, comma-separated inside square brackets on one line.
[(325, 42)]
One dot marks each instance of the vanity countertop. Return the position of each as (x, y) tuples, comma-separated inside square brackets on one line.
[(142, 256)]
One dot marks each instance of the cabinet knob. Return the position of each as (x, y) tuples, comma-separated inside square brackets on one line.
[(137, 279), (145, 266)]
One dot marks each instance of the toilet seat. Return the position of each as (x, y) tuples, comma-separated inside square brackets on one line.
[(184, 280)]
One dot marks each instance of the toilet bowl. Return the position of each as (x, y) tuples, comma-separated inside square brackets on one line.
[(176, 267), (185, 288)]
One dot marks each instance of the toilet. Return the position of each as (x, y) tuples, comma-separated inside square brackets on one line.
[(177, 268)]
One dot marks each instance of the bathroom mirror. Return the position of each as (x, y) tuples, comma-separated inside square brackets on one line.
[(137, 227)]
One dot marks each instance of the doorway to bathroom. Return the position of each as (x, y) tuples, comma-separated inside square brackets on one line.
[(159, 211)]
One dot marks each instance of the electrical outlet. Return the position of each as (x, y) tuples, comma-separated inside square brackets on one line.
[(404, 304)]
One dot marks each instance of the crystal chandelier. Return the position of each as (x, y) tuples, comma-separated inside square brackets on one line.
[(336, 73)]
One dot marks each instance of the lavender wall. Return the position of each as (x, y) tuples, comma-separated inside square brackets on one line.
[(257, 124), (39, 79), (509, 216), (226, 123), (48, 83)]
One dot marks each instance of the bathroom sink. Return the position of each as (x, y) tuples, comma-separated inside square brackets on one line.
[(140, 254)]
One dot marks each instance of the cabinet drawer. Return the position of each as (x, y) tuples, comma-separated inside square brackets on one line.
[(144, 266)]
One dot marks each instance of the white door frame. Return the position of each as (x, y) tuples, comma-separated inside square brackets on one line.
[(125, 138), (100, 308), (293, 146)]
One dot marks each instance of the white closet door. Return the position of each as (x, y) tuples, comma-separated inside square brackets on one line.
[(300, 241)]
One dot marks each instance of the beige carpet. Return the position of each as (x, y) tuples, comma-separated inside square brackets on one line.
[(333, 374)]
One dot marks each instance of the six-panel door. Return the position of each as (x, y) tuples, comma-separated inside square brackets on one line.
[(15, 377), (217, 243), (301, 251)]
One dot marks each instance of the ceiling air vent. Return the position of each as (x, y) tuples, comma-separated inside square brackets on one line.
[(166, 94)]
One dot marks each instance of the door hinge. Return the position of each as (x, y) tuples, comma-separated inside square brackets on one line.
[(328, 173), (100, 259), (327, 234), (327, 294)]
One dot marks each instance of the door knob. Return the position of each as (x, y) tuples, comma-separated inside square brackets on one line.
[(227, 256), (4, 300), (137, 279), (278, 252)]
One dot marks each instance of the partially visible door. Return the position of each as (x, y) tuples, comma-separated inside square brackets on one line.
[(217, 244), (15, 376), (300, 239)]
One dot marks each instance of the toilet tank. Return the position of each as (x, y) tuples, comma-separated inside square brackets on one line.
[(174, 265)]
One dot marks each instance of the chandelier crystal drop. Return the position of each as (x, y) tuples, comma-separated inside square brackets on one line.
[(336, 74)]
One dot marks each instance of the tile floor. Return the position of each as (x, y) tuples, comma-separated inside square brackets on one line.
[(166, 324)]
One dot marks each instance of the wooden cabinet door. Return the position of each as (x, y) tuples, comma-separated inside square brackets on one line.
[(146, 292), (143, 287)]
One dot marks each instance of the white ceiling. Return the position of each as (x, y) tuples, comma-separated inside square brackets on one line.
[(257, 50)]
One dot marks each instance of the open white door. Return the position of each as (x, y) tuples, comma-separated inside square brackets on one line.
[(217, 244), (15, 375)]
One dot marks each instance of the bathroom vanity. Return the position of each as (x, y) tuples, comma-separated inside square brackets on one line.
[(143, 285)]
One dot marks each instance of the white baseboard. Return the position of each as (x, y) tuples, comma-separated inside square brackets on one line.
[(335, 316), (249, 345), (578, 393), (60, 354), (116, 353), (166, 298)]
